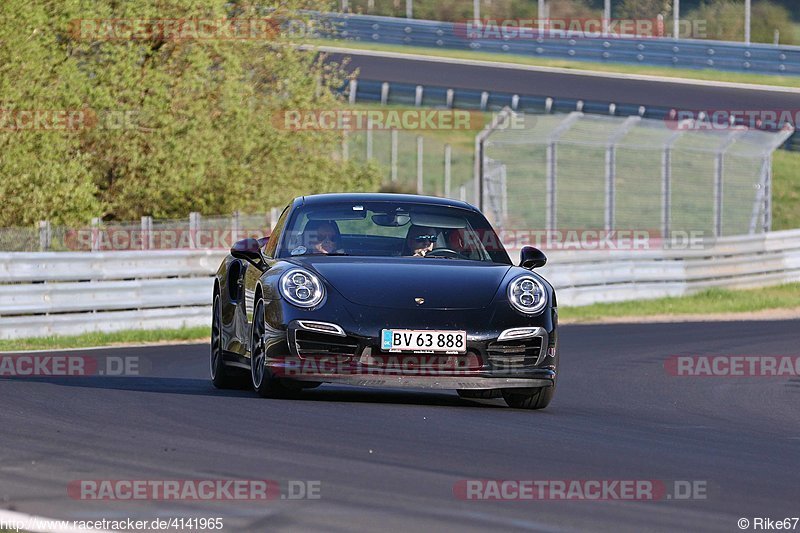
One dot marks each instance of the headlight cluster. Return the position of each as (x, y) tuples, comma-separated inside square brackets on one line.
[(527, 294), (302, 288)]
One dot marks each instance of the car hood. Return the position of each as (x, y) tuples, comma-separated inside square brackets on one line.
[(396, 282)]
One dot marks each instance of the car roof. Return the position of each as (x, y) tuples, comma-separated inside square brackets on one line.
[(329, 198)]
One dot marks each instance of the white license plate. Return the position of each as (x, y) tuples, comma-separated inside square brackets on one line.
[(413, 340)]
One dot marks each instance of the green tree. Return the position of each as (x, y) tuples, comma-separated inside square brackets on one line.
[(197, 133)]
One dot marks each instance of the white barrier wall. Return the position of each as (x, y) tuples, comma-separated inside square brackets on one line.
[(55, 293)]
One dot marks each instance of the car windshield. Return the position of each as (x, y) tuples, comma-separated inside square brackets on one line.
[(391, 229)]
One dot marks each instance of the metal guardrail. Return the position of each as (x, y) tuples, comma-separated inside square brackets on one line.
[(53, 293), (683, 53), (68, 293)]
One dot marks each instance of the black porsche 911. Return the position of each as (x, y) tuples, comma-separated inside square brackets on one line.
[(385, 290)]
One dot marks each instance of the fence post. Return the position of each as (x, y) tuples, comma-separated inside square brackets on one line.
[(666, 181), (504, 189), (611, 170), (409, 9), (273, 218), (501, 119), (768, 195), (420, 183), (394, 155), (194, 227), (345, 147), (45, 235), (462, 193), (95, 234), (448, 155), (719, 175), (236, 226), (369, 139), (147, 233), (551, 185)]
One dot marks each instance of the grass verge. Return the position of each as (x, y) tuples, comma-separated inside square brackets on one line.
[(711, 301), (106, 339), (621, 68)]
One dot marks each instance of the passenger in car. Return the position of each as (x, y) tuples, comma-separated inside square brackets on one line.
[(419, 241)]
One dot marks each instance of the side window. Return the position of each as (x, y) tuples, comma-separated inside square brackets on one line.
[(272, 243)]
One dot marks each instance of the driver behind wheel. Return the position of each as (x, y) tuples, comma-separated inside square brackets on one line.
[(419, 241)]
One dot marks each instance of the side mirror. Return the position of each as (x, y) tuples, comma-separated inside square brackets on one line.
[(248, 249), (530, 258)]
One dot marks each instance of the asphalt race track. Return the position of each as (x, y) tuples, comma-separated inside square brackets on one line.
[(390, 459), (610, 88)]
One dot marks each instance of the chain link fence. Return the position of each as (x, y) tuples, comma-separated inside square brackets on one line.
[(576, 171)]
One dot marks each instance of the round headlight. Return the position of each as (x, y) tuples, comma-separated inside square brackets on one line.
[(527, 294), (301, 288)]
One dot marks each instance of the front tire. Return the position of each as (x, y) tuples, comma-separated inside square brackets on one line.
[(537, 398), (264, 383)]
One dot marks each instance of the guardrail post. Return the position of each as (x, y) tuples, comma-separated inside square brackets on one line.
[(484, 100), (45, 235), (418, 96), (353, 91), (409, 9), (450, 94), (95, 234), (147, 233), (384, 93), (448, 154), (194, 228), (420, 183)]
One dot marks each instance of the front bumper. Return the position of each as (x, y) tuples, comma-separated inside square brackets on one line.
[(340, 356)]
